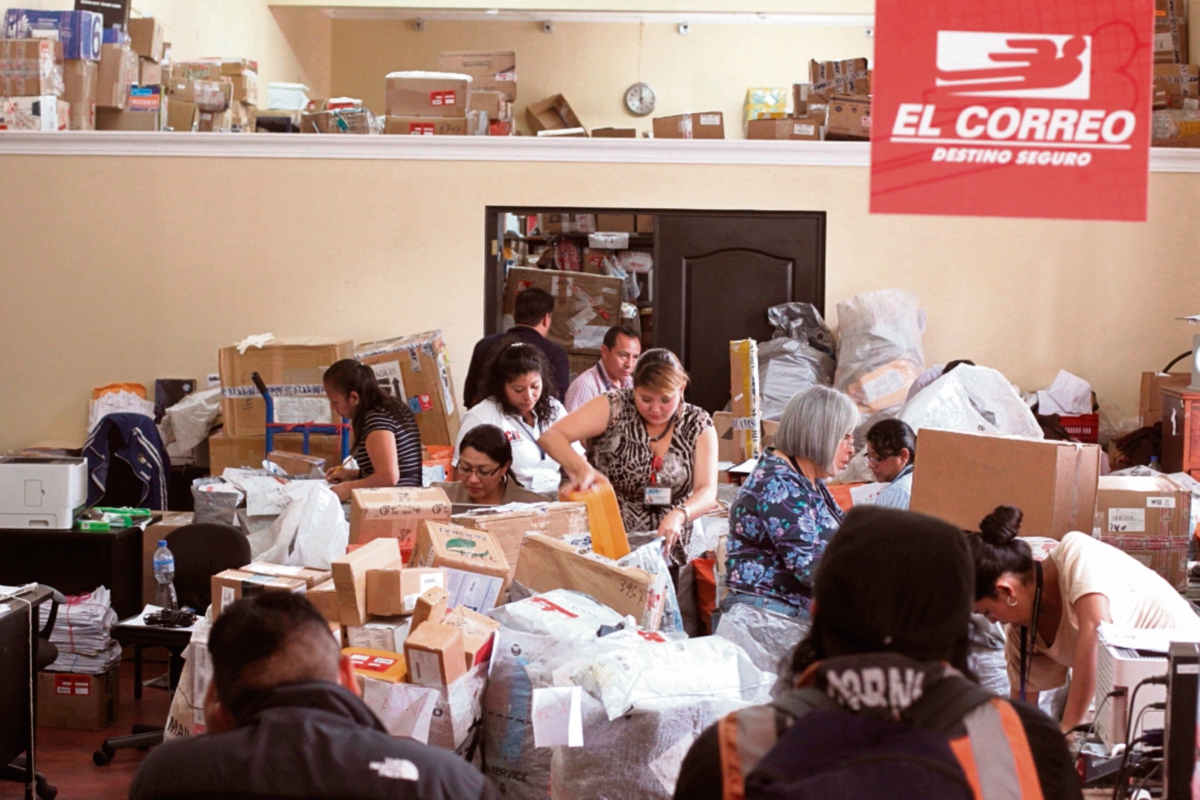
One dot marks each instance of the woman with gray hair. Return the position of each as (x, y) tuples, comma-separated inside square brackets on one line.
[(783, 516)]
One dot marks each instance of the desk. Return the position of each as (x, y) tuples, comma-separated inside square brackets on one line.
[(18, 694), (75, 562), (139, 637)]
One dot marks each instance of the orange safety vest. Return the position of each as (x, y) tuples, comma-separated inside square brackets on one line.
[(992, 749)]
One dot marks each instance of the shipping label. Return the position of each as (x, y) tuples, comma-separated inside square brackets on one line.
[(1160, 502), (443, 99), (1127, 520)]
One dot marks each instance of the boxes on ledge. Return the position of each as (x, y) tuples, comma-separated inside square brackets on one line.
[(31, 68), (552, 114), (962, 477), (490, 71), (81, 33), (45, 114), (428, 94), (118, 72), (709, 125), (81, 84)]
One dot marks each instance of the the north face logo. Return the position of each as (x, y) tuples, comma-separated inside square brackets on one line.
[(987, 64), (397, 769)]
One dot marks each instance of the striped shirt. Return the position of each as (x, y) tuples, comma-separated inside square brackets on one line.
[(408, 445), (593, 382)]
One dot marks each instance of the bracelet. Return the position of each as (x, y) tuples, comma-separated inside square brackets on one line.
[(682, 506)]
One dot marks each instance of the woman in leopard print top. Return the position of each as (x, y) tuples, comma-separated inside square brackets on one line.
[(658, 452)]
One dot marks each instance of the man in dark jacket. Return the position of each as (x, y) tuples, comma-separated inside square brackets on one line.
[(532, 315), (285, 720)]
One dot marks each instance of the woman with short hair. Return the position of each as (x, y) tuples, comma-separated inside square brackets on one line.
[(783, 516), (658, 451)]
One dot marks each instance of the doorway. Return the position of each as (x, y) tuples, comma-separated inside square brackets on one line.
[(714, 274)]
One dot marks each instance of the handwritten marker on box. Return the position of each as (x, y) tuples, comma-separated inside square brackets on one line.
[(558, 716)]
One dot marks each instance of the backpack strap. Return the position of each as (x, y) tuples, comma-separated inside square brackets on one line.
[(944, 706)]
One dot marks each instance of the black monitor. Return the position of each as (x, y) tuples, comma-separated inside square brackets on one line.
[(1180, 754)]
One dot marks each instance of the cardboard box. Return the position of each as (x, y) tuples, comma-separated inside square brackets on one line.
[(213, 96), (434, 654), (78, 702), (239, 66), (394, 592), (146, 38), (249, 451), (476, 569), (350, 576), (114, 13), (509, 526), (802, 129), (182, 116), (1150, 408), (150, 73), (1170, 32), (490, 71), (425, 126), (245, 117), (382, 633), (81, 82), (153, 534), (645, 223), (31, 68), (614, 133), (547, 564), (552, 114), (767, 103), (478, 634), (578, 363), (747, 400), (616, 223), (196, 71), (709, 125), (234, 584), (830, 78), (110, 119), (80, 33), (378, 665), (395, 513), (45, 114), (417, 368), (962, 477), (295, 376), (567, 223), (586, 306), (494, 104), (311, 577), (1177, 80), (428, 94), (849, 118), (325, 598), (245, 88), (430, 607), (1148, 518), (118, 72)]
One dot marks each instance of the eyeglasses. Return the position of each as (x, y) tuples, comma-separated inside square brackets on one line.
[(875, 459), (467, 471)]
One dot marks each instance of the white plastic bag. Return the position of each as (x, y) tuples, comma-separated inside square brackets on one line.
[(767, 638), (311, 532), (879, 348), (972, 400), (560, 612), (189, 421), (649, 557), (440, 717)]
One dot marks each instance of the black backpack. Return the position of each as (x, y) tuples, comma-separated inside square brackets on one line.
[(836, 754)]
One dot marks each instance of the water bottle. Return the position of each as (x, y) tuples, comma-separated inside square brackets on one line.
[(164, 573), (1154, 464)]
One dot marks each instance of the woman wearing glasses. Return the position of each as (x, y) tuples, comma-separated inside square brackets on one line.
[(784, 517), (891, 453), (484, 459)]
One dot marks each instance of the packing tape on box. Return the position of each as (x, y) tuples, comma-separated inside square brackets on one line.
[(285, 390), (745, 423)]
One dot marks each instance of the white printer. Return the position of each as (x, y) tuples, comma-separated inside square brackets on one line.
[(42, 492)]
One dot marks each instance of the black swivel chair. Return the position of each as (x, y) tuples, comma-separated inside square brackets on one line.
[(47, 654), (200, 551)]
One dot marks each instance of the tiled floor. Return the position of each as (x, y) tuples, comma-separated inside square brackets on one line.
[(65, 757)]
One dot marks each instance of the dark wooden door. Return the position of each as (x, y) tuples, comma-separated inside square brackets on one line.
[(717, 273)]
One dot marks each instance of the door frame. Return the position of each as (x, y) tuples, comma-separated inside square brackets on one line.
[(493, 288)]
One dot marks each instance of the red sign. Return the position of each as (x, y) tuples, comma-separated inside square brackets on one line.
[(72, 684), (420, 129), (444, 98), (1012, 108)]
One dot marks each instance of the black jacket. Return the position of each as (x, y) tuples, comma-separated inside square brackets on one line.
[(560, 368), (309, 740)]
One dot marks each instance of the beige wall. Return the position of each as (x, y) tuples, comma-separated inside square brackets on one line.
[(592, 64), (132, 269)]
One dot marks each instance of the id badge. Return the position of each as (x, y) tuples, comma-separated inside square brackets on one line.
[(658, 496)]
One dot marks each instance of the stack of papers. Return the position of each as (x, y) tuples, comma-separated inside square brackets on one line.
[(81, 633)]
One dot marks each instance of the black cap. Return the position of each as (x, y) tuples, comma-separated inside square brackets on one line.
[(896, 581)]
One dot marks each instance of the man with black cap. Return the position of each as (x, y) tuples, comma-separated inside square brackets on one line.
[(881, 706), (284, 720)]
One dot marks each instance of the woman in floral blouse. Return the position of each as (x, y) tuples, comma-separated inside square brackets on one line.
[(783, 516)]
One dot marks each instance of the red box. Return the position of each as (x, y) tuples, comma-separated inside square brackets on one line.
[(1085, 427)]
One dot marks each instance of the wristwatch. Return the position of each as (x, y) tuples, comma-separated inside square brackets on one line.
[(682, 506)]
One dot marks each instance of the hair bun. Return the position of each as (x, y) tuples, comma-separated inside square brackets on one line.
[(1001, 526)]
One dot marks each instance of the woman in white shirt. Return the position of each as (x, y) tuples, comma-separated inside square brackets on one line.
[(520, 401), (1054, 608)]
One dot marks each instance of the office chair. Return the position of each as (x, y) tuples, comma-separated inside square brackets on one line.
[(47, 654), (201, 551)]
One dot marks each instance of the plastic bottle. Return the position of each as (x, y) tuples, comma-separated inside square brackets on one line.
[(164, 573), (1154, 464)]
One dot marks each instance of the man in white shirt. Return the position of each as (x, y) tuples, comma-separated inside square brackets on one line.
[(618, 356)]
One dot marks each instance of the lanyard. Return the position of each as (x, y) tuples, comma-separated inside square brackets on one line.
[(656, 464), (1026, 645), (533, 437), (608, 385)]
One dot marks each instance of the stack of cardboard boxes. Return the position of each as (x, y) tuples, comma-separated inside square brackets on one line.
[(213, 96), (834, 104), (130, 94), (48, 58), (1176, 97), (493, 87), (427, 103)]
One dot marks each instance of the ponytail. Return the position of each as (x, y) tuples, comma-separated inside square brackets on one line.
[(349, 375)]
